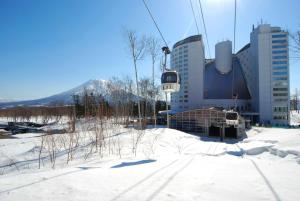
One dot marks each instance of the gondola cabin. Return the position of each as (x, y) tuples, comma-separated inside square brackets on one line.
[(170, 81), (232, 118)]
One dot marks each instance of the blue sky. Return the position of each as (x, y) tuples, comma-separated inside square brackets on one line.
[(50, 46)]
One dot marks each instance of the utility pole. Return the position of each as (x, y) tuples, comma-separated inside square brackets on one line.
[(296, 101), (167, 107)]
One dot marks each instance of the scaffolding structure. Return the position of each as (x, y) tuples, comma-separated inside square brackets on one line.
[(211, 122)]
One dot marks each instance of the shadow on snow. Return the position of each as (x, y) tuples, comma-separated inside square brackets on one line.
[(125, 164)]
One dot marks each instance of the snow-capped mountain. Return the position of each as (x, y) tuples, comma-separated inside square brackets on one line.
[(92, 86), (3, 100)]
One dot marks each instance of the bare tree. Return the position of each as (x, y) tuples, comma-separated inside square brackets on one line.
[(145, 92), (295, 45), (153, 47), (136, 47)]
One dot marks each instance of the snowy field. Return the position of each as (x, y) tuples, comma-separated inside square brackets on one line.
[(295, 118), (167, 165)]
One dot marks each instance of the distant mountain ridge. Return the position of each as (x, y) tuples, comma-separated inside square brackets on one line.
[(92, 86), (3, 100)]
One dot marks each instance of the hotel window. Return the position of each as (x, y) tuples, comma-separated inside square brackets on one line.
[(277, 94), (279, 62), (279, 36), (279, 41), (280, 109), (280, 57), (279, 78), (279, 89), (280, 67), (280, 117), (279, 73), (279, 51), (282, 83), (278, 46), (281, 100)]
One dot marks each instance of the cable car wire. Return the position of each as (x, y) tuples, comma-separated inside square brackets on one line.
[(234, 29), (204, 27), (234, 96), (161, 35), (192, 7)]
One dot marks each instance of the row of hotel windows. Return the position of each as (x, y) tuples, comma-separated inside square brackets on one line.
[(180, 101), (180, 61), (280, 99), (279, 41), (279, 62), (279, 78), (280, 109), (179, 57), (280, 57), (280, 94), (280, 117), (279, 46), (186, 107), (281, 84), (180, 48), (180, 53), (280, 73), (279, 36), (279, 51), (280, 89), (279, 67)]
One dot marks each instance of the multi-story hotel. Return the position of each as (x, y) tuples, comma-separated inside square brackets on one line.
[(254, 81)]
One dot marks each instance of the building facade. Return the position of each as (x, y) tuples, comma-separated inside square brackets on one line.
[(254, 81), (269, 52), (187, 58)]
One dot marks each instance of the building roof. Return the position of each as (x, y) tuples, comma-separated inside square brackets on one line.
[(188, 40), (244, 48), (223, 86)]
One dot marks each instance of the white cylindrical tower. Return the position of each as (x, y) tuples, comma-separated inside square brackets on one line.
[(223, 53)]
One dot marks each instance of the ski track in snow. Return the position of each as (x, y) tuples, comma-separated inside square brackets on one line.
[(177, 154)]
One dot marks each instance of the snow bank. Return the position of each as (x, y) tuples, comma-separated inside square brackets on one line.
[(276, 141)]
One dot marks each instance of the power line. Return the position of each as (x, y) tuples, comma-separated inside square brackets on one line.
[(204, 27), (155, 23), (194, 16)]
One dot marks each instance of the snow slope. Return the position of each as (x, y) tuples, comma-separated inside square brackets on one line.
[(169, 165)]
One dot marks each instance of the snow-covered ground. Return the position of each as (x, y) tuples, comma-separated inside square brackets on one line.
[(295, 118), (169, 165)]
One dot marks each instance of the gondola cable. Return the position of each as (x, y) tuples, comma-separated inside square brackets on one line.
[(234, 96), (161, 35), (192, 7), (170, 79), (204, 26)]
